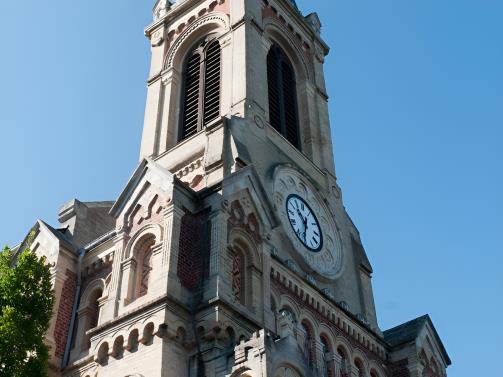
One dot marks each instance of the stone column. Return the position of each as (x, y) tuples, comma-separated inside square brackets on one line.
[(81, 339), (269, 315), (111, 306), (336, 359), (169, 110), (128, 282), (354, 371), (217, 284), (168, 278)]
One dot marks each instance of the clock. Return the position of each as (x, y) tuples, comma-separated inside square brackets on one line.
[(304, 223), (308, 224)]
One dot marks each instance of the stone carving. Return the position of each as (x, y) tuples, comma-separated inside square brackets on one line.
[(212, 17), (157, 38)]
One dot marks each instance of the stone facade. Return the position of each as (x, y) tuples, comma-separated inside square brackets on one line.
[(195, 270)]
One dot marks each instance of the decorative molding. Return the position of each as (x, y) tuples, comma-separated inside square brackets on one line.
[(218, 17)]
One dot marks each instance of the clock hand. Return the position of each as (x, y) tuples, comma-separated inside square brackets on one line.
[(304, 223)]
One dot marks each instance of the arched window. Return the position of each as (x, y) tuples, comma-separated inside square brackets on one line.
[(201, 88), (373, 373), (327, 367), (360, 367), (146, 268), (143, 253), (309, 344), (344, 365), (238, 276), (283, 110), (91, 317)]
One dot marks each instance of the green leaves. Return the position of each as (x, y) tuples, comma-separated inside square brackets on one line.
[(26, 302)]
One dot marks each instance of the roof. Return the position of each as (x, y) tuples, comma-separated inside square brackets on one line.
[(62, 234), (409, 331)]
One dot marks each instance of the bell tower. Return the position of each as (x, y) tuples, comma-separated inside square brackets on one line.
[(229, 252), (211, 63)]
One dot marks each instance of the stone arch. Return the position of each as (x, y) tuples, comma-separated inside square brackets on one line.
[(309, 344), (275, 32), (288, 303), (360, 366), (241, 372), (243, 261), (88, 314), (148, 333), (214, 23), (287, 370), (328, 333), (326, 350), (93, 286), (139, 266), (307, 316), (343, 351), (133, 340), (102, 354), (231, 338), (118, 347), (211, 23), (154, 230), (241, 239), (374, 373)]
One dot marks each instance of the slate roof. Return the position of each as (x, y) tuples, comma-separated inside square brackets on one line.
[(409, 331)]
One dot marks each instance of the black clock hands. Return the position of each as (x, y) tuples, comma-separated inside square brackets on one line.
[(304, 222)]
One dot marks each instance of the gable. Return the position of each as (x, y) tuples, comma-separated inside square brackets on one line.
[(150, 189)]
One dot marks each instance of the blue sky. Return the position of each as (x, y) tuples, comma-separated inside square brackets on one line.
[(416, 104)]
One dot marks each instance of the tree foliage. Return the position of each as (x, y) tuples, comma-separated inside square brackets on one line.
[(26, 303)]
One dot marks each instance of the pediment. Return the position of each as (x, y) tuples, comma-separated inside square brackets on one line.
[(245, 187), (46, 241), (150, 189), (430, 346)]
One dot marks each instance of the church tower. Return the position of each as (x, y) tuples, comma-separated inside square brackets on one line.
[(229, 252)]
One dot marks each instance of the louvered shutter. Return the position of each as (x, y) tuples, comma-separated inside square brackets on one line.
[(290, 104), (282, 89), (212, 83), (274, 90), (191, 108)]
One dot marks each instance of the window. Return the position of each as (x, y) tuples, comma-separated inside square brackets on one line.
[(201, 88), (344, 366), (146, 268), (327, 369), (360, 367), (309, 344), (91, 317), (238, 266), (283, 111), (144, 250)]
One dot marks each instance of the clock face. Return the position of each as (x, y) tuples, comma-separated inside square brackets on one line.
[(304, 223), (307, 223)]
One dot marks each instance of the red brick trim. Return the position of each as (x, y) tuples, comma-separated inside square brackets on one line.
[(64, 312), (193, 249), (321, 319)]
